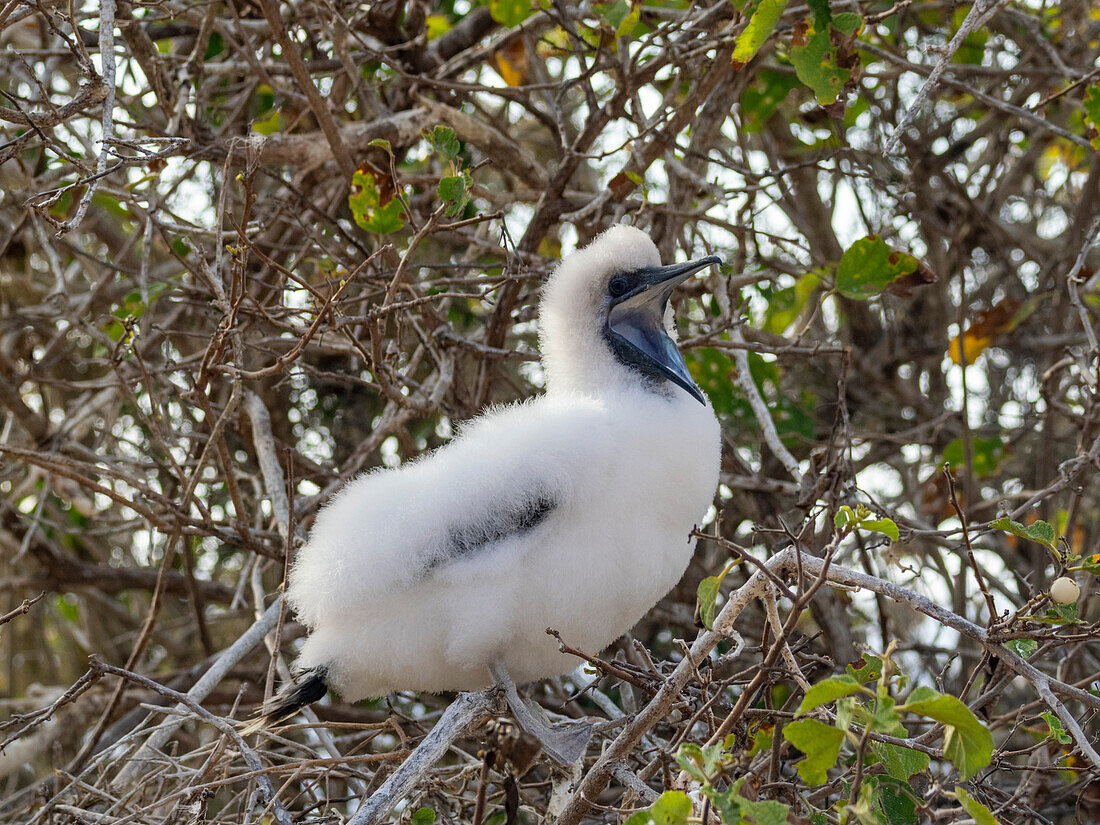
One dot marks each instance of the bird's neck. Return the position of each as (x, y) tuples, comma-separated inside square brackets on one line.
[(598, 371)]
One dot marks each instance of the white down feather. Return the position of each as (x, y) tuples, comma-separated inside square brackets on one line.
[(630, 471)]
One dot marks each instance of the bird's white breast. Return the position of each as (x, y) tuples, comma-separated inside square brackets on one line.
[(629, 475)]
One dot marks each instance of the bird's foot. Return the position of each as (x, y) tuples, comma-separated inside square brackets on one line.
[(565, 743)]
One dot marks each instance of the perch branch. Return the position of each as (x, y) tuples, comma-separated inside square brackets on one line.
[(460, 714), (201, 689)]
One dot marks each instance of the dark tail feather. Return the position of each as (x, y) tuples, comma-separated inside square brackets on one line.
[(306, 689)]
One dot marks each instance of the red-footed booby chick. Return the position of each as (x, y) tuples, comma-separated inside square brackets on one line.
[(572, 510)]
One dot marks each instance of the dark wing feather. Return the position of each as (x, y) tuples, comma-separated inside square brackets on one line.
[(465, 540)]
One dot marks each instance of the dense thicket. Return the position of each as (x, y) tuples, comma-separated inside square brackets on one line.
[(250, 249)]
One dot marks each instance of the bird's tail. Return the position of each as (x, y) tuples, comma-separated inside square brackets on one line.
[(307, 688)]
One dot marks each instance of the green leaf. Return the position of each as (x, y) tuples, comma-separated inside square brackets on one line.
[(827, 691), (455, 191), (671, 808), (1091, 564), (759, 29), (382, 143), (900, 763), (884, 718), (712, 370), (735, 809), (1054, 725), (707, 596), (762, 739), (845, 518), (423, 816), (819, 63), (978, 812), (1065, 612), (708, 600), (368, 210), (894, 799), (1092, 113), (881, 525), (1040, 532), (268, 125), (445, 142), (621, 15), (821, 744), (214, 46), (972, 49), (847, 22), (867, 669), (967, 742), (988, 454), (822, 13), (868, 266), (758, 102), (510, 12), (702, 764), (68, 606), (1057, 614), (815, 64), (768, 812), (1022, 647), (786, 305)]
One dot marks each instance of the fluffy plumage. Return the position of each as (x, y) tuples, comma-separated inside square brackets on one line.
[(572, 510)]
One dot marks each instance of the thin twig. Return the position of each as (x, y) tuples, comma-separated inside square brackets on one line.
[(981, 11)]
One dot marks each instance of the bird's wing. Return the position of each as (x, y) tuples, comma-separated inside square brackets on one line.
[(487, 491), (478, 532)]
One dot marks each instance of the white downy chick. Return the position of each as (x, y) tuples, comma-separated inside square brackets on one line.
[(572, 510)]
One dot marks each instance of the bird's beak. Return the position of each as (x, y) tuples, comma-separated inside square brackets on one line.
[(636, 319)]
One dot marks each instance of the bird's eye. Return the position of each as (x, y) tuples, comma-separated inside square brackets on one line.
[(618, 286)]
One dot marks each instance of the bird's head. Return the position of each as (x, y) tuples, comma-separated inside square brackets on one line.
[(604, 316)]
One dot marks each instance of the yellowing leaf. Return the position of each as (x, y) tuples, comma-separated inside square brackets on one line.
[(1092, 113), (512, 62), (759, 29), (707, 595), (987, 325), (369, 204), (436, 25), (972, 347)]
